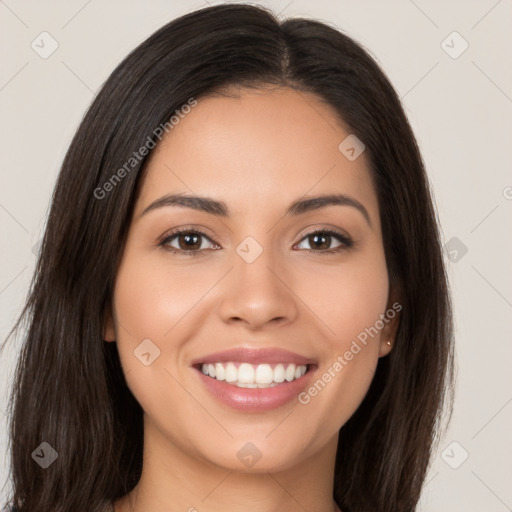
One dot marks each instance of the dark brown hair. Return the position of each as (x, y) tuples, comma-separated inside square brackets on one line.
[(69, 388)]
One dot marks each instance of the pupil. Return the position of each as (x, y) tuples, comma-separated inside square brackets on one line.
[(188, 238), (318, 237)]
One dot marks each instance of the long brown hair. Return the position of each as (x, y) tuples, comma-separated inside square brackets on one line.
[(69, 389)]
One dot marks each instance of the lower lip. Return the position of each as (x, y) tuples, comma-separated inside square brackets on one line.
[(255, 399)]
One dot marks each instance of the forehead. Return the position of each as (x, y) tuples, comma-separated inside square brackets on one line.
[(259, 148)]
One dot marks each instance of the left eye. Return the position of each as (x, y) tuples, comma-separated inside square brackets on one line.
[(321, 238), (191, 242), (188, 241)]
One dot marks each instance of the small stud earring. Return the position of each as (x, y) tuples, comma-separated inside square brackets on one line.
[(388, 343)]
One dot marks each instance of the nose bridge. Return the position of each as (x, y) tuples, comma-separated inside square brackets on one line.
[(256, 292), (254, 264)]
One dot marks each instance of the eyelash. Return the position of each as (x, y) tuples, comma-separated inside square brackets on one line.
[(346, 242)]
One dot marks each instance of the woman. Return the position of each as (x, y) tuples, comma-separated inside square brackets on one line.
[(240, 301)]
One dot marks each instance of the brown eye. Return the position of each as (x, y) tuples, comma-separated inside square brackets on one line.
[(321, 241), (188, 241)]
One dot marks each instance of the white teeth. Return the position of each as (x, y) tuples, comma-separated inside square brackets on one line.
[(264, 374), (220, 374), (246, 373), (231, 372), (254, 376), (267, 385), (279, 373), (289, 374)]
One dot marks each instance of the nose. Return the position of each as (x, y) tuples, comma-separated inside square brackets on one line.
[(258, 293)]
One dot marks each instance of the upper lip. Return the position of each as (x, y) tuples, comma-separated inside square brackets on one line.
[(254, 356)]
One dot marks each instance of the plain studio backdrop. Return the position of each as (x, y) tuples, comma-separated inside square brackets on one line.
[(450, 64)]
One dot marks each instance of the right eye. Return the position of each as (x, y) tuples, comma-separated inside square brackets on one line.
[(190, 242)]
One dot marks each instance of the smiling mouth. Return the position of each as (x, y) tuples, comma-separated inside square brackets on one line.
[(246, 375)]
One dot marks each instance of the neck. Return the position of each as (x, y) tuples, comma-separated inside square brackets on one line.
[(173, 480)]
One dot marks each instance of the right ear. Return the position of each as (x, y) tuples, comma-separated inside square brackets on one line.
[(109, 330)]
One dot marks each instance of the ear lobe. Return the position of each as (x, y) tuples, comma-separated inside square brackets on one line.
[(388, 334), (392, 321), (386, 346), (109, 330)]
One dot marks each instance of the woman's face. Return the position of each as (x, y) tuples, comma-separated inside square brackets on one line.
[(257, 283)]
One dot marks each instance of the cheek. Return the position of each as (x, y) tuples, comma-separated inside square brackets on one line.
[(148, 303), (351, 302), (347, 298), (156, 301), (151, 298), (362, 300)]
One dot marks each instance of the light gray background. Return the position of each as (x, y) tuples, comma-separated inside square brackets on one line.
[(461, 112)]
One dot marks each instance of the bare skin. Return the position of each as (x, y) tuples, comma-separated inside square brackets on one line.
[(257, 153)]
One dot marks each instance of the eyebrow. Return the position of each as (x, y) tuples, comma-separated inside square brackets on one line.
[(219, 208)]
